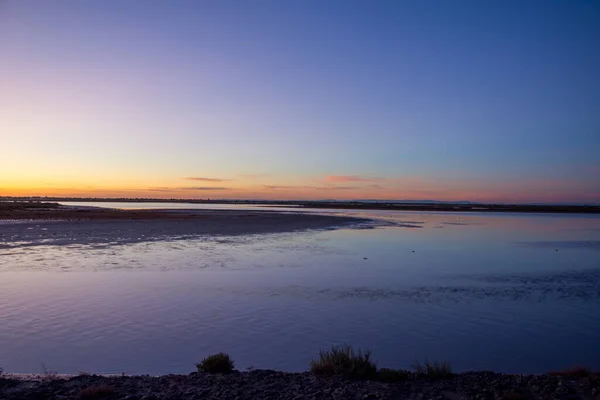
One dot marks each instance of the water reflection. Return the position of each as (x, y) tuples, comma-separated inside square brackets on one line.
[(485, 291)]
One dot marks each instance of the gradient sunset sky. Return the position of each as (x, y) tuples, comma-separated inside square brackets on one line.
[(301, 99)]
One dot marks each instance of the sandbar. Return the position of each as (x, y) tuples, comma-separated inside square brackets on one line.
[(57, 225)]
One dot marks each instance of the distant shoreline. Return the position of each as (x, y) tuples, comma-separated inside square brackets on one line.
[(461, 208), (346, 205)]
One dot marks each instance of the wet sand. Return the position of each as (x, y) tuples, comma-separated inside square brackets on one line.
[(59, 225), (54, 211)]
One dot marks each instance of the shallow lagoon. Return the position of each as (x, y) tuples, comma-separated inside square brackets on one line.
[(507, 292)]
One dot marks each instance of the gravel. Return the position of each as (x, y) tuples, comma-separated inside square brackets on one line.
[(266, 384)]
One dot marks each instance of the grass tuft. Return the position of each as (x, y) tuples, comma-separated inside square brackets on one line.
[(48, 374), (392, 375), (219, 363), (344, 360), (97, 393), (432, 370)]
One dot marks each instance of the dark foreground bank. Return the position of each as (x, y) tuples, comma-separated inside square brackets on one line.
[(263, 384)]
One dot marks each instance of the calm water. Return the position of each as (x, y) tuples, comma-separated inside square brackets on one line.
[(512, 293)]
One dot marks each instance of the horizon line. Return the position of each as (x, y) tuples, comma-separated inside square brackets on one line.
[(216, 200)]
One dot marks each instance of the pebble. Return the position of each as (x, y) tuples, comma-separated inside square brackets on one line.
[(264, 384)]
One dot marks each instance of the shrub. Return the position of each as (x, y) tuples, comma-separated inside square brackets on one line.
[(392, 375), (216, 364), (573, 372), (48, 374), (97, 393), (344, 360), (432, 370)]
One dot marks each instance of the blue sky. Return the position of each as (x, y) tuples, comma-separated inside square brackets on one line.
[(450, 99)]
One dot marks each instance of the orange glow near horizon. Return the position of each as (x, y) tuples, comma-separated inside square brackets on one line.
[(349, 187)]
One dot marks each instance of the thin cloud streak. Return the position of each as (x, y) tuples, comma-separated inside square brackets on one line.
[(202, 179), (350, 178), (285, 187), (203, 188), (175, 189), (337, 188), (291, 187)]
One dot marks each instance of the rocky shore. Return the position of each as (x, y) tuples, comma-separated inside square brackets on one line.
[(265, 384)]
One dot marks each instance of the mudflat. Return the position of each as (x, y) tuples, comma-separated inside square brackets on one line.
[(55, 211), (47, 223)]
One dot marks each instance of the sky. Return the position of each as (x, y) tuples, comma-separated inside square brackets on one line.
[(492, 101)]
